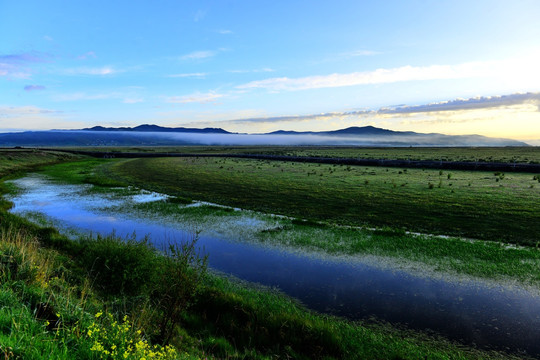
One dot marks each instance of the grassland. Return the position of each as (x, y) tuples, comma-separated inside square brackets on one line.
[(88, 299), (488, 154), (14, 160), (489, 206), (424, 254)]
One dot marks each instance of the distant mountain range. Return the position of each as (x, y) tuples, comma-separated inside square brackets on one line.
[(157, 128), (154, 135)]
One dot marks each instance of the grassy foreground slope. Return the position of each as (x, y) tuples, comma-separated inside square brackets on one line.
[(13, 160), (492, 206), (111, 299)]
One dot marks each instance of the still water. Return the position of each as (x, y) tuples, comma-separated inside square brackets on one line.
[(471, 312)]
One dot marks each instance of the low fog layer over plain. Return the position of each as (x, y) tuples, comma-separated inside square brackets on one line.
[(130, 138)]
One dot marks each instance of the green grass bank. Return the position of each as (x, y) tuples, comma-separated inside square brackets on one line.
[(104, 298)]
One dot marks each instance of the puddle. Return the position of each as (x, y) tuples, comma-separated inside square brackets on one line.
[(496, 317)]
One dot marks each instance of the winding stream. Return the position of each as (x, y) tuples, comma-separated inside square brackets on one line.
[(496, 317)]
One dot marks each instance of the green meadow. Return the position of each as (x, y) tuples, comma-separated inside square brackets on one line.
[(482, 205), (488, 154), (114, 298)]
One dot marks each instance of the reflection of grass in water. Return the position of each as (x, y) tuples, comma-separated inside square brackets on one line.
[(488, 260), (212, 220)]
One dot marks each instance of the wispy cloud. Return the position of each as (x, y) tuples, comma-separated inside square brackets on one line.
[(19, 111), (195, 98), (48, 38), (262, 70), (480, 102), (87, 55), (188, 75), (198, 55), (451, 107), (356, 53), (132, 100), (34, 118), (17, 66), (78, 96), (224, 32), (199, 15), (100, 71), (511, 69), (34, 87)]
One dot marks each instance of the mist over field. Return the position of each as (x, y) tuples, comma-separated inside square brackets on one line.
[(128, 138)]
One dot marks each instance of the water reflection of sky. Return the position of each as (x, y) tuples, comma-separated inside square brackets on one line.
[(497, 317)]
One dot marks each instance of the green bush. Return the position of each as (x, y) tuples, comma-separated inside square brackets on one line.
[(119, 267), (180, 280)]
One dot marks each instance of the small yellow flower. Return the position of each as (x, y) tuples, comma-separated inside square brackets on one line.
[(98, 314)]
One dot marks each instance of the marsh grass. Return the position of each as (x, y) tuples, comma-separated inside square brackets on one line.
[(472, 206)]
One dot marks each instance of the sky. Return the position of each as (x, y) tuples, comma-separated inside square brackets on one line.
[(453, 67)]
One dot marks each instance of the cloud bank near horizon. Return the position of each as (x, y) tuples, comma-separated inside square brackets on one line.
[(476, 103)]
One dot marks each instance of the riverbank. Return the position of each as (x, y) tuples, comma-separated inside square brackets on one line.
[(226, 319)]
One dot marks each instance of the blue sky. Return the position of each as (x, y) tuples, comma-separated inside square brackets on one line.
[(256, 66)]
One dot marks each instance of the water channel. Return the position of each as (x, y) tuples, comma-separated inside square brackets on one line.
[(472, 312)]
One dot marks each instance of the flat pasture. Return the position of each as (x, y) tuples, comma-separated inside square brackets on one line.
[(483, 205)]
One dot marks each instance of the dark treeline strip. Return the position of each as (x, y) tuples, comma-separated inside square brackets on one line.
[(419, 164)]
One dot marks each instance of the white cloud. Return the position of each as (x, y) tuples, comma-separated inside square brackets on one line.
[(132, 100), (224, 32), (17, 111), (197, 55), (104, 70), (17, 66), (188, 75), (199, 15), (520, 71), (360, 53), (195, 98), (31, 118), (77, 96), (86, 55), (262, 70)]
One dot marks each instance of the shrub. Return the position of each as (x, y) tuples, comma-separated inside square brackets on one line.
[(119, 267), (180, 280)]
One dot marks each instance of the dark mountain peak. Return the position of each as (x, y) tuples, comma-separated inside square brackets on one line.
[(363, 130), (157, 128)]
